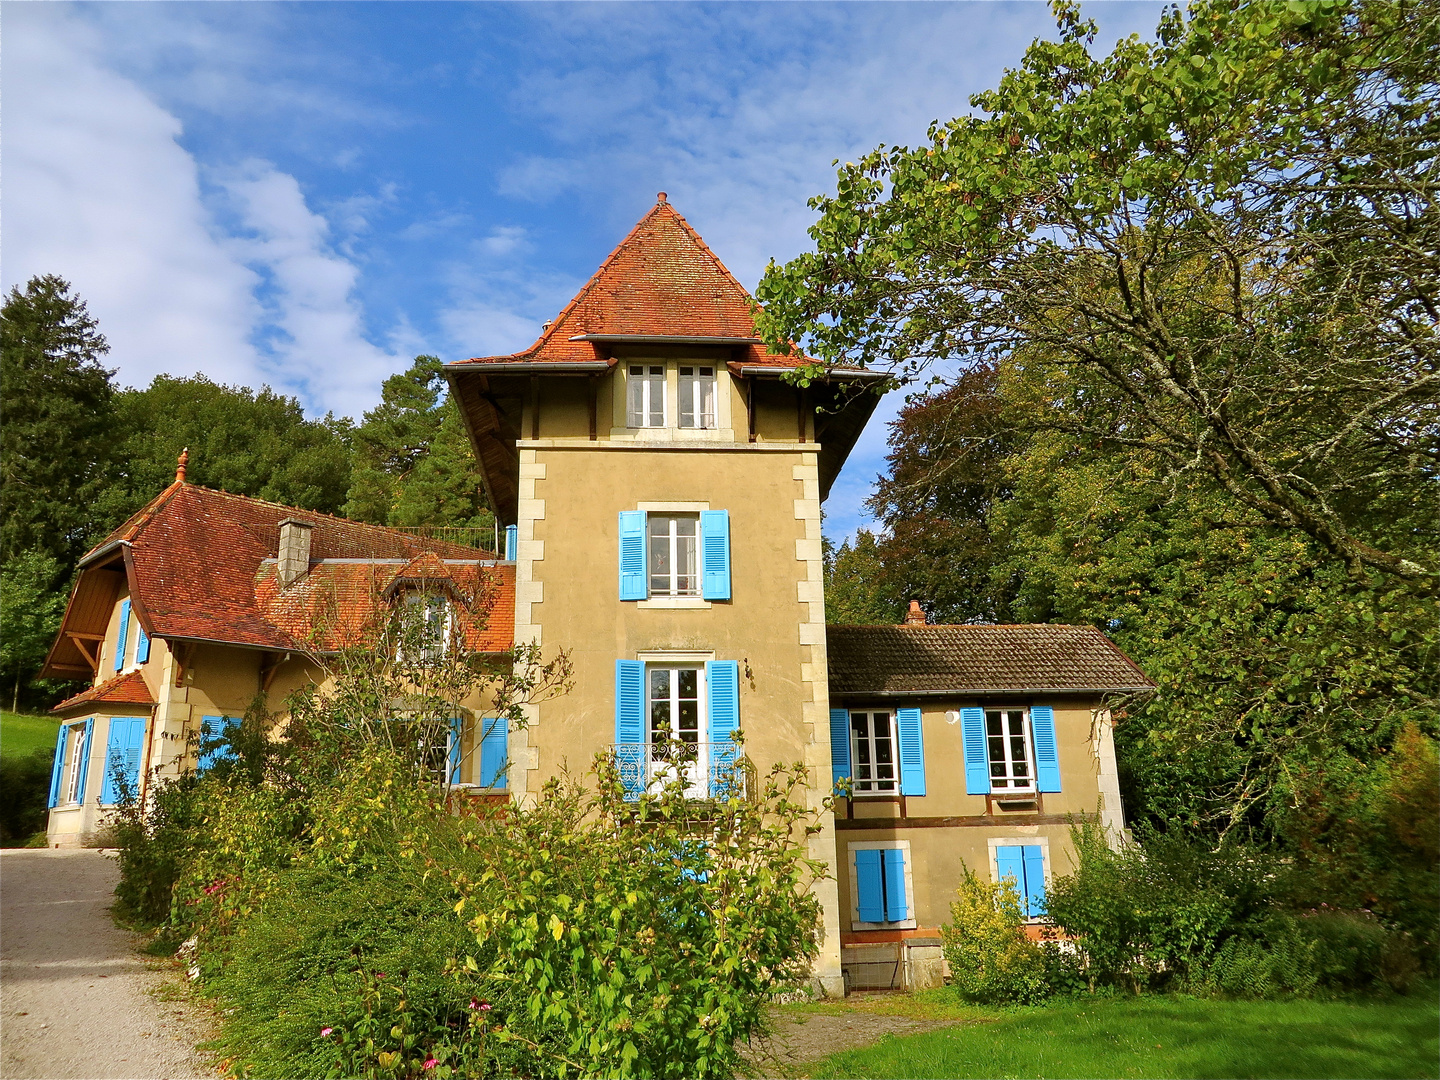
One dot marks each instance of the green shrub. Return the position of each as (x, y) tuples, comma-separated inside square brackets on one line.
[(992, 961), (24, 794)]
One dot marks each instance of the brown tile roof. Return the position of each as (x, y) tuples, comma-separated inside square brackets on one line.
[(335, 604), (662, 280), (971, 659), (201, 567), (127, 689)]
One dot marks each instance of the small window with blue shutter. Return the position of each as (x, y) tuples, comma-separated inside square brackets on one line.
[(123, 749), (839, 746), (215, 735), (630, 743), (1023, 865), (715, 554), (882, 884), (722, 718), (1010, 751), (494, 752), (122, 639)]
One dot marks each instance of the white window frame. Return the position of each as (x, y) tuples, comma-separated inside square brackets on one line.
[(718, 426), (647, 380), (855, 781), (882, 845), (651, 600), (994, 843), (429, 651), (1011, 787), (694, 385), (697, 772), (74, 766), (674, 543)]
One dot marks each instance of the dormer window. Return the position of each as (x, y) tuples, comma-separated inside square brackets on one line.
[(647, 395), (697, 396), (425, 626)]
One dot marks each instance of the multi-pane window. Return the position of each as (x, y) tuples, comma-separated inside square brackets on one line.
[(674, 698), (425, 627), (75, 772), (673, 543), (872, 753), (697, 397), (646, 387), (1007, 742)]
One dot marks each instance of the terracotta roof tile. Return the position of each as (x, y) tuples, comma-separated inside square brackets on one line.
[(199, 559), (127, 689), (661, 280), (968, 659)]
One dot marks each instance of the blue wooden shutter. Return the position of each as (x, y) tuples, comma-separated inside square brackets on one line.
[(1010, 861), (715, 554), (1047, 760), (124, 634), (977, 760), (897, 905), (1033, 896), (722, 687), (142, 644), (212, 728), (630, 725), (840, 744), (494, 748), (58, 768), (114, 760), (455, 749), (632, 555), (512, 542), (123, 750), (84, 751), (912, 752), (869, 886)]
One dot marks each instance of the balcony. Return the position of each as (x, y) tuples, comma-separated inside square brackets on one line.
[(708, 770)]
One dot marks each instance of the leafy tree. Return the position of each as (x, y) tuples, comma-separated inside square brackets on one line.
[(1224, 248), (257, 444), (414, 466), (56, 425), (32, 599), (857, 590)]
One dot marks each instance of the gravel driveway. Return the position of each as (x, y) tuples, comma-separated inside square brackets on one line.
[(76, 1000)]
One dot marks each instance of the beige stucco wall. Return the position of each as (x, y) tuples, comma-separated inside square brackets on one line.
[(567, 594), (941, 852)]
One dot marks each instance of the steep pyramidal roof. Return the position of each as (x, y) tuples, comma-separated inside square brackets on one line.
[(661, 281)]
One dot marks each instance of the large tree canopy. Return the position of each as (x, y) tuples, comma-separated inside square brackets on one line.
[(1221, 249)]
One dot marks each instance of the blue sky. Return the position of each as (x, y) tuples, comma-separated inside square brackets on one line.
[(307, 195)]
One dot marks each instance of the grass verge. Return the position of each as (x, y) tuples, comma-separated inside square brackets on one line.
[(20, 734), (1169, 1036)]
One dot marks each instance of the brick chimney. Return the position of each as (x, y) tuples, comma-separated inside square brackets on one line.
[(915, 617), (294, 561)]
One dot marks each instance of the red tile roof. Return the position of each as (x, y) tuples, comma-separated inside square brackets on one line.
[(203, 569), (662, 280), (974, 659), (127, 689)]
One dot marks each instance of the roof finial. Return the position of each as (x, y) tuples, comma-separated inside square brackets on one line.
[(660, 197), (180, 465)]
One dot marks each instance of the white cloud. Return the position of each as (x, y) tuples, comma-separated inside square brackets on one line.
[(98, 190), (320, 341)]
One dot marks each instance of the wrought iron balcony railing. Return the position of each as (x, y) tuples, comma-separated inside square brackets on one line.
[(708, 770)]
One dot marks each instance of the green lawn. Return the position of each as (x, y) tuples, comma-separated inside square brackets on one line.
[(20, 734), (1170, 1037)]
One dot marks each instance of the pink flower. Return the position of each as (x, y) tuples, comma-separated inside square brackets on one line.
[(485, 1005), (430, 1063), (476, 1003), (325, 1032)]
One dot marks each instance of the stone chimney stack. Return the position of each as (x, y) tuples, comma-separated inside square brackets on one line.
[(915, 617), (294, 561)]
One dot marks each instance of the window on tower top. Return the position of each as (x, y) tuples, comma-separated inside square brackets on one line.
[(646, 395)]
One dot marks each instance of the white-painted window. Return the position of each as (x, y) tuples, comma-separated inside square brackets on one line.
[(872, 753), (426, 626), (646, 387), (673, 556), (74, 762), (697, 396), (1007, 743), (675, 699)]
